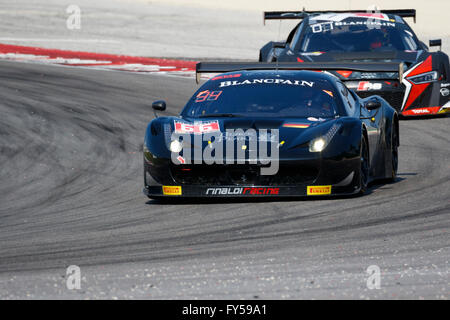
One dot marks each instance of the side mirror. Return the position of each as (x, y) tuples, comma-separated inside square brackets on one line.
[(436, 43), (372, 105), (159, 105)]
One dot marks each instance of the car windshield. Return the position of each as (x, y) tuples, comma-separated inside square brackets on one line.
[(263, 97), (357, 35)]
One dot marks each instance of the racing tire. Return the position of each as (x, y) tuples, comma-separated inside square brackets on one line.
[(394, 154), (364, 166)]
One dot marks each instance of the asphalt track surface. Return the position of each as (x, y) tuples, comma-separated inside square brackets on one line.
[(70, 194)]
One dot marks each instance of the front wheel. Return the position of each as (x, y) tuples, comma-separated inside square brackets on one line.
[(364, 166), (394, 154)]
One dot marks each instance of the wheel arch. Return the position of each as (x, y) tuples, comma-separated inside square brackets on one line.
[(441, 63), (366, 136), (396, 125)]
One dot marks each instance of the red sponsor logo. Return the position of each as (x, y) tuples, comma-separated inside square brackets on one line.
[(242, 191), (197, 128), (261, 191), (420, 111), (366, 86), (227, 76)]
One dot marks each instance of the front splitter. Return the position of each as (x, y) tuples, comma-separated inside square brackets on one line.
[(195, 191)]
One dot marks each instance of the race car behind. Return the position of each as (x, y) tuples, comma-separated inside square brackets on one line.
[(357, 36)]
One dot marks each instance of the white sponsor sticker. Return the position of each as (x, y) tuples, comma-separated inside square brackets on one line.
[(302, 83), (197, 127), (343, 16), (419, 111), (315, 119)]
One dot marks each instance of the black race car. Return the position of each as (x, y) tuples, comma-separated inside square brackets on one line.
[(267, 129), (358, 36)]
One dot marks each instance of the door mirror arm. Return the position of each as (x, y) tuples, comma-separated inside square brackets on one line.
[(370, 106)]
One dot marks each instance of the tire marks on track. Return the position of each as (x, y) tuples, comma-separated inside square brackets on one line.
[(71, 179)]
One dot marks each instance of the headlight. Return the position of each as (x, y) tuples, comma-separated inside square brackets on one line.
[(424, 77), (176, 146), (319, 144)]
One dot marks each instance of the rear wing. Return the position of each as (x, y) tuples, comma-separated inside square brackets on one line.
[(282, 15), (221, 67)]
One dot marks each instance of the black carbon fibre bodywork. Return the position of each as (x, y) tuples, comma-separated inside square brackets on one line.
[(338, 166)]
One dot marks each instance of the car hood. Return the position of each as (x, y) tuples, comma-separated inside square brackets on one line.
[(294, 133)]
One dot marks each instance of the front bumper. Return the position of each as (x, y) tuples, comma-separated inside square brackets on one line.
[(429, 99), (430, 111), (323, 177), (195, 191)]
